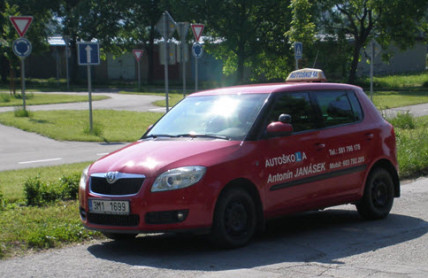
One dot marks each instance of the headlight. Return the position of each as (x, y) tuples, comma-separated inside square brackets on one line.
[(84, 179), (178, 178)]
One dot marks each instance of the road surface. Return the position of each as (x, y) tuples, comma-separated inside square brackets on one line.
[(332, 243)]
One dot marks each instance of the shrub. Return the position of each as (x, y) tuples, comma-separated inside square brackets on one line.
[(20, 112), (38, 193), (403, 120), (69, 187)]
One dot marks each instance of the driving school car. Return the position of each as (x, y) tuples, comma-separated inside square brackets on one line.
[(225, 161)]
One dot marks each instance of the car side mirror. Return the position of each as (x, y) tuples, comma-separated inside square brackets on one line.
[(276, 129)]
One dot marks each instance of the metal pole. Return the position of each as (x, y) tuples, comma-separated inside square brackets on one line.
[(90, 97), (165, 26), (371, 70), (66, 63), (23, 82), (183, 60), (196, 74), (297, 64), (139, 75)]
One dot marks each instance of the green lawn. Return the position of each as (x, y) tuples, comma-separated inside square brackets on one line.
[(173, 97), (73, 125), (391, 99), (45, 98)]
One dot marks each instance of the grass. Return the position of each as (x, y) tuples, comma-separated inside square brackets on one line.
[(391, 99), (26, 228), (412, 144), (44, 98), (72, 125), (173, 97), (34, 228), (12, 182), (396, 82)]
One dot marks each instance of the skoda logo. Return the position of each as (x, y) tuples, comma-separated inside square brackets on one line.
[(111, 177)]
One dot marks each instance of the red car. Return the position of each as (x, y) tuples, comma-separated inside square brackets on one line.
[(224, 161)]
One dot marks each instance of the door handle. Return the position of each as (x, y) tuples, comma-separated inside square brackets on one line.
[(320, 146), (369, 136)]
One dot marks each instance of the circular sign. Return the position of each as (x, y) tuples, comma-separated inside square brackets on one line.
[(197, 50), (22, 47)]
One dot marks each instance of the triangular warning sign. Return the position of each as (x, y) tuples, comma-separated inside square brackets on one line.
[(197, 30), (21, 23), (138, 53)]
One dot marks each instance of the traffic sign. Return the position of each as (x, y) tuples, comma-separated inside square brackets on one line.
[(22, 48), (166, 25), (138, 53), (21, 23), (298, 50), (88, 53), (197, 30), (197, 50)]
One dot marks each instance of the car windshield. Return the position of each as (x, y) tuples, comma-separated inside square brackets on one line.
[(214, 116)]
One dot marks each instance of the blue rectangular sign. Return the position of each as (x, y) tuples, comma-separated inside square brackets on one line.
[(88, 53), (298, 50)]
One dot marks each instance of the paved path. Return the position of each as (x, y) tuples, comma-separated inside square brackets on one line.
[(20, 149)]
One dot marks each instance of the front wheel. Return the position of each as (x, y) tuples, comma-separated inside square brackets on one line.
[(234, 219), (378, 195)]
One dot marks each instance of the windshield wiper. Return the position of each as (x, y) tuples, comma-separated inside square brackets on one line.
[(214, 136), (156, 136)]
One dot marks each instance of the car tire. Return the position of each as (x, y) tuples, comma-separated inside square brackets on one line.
[(234, 219), (118, 236), (378, 195)]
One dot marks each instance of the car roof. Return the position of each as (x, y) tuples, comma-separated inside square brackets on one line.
[(269, 88)]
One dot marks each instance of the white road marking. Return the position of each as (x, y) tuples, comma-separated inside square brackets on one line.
[(40, 161), (102, 154)]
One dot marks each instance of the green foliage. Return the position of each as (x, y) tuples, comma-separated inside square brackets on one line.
[(22, 113), (412, 145), (39, 193), (4, 97), (403, 121)]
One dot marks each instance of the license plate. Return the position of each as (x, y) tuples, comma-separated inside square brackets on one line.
[(109, 207)]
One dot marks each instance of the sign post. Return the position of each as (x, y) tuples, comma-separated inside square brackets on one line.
[(22, 47), (138, 54), (182, 29), (166, 26), (88, 53), (298, 53), (374, 51), (197, 48)]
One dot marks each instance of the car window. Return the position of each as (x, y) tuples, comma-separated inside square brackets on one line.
[(298, 106), (338, 107)]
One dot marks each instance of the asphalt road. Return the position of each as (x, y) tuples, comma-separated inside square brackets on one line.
[(21, 149), (332, 243)]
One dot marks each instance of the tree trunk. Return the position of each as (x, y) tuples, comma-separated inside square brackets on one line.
[(354, 63)]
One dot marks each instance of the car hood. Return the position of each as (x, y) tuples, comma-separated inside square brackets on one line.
[(152, 157)]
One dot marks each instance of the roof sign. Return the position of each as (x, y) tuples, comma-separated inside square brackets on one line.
[(21, 23), (197, 31), (306, 75)]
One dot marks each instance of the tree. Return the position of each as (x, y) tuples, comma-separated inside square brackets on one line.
[(37, 33), (360, 21)]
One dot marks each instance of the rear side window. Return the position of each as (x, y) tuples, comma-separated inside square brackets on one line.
[(338, 107), (298, 106)]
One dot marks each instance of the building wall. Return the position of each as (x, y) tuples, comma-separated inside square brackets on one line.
[(410, 60)]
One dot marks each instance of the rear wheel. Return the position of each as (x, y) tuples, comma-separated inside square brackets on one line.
[(234, 219), (118, 236), (378, 195)]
